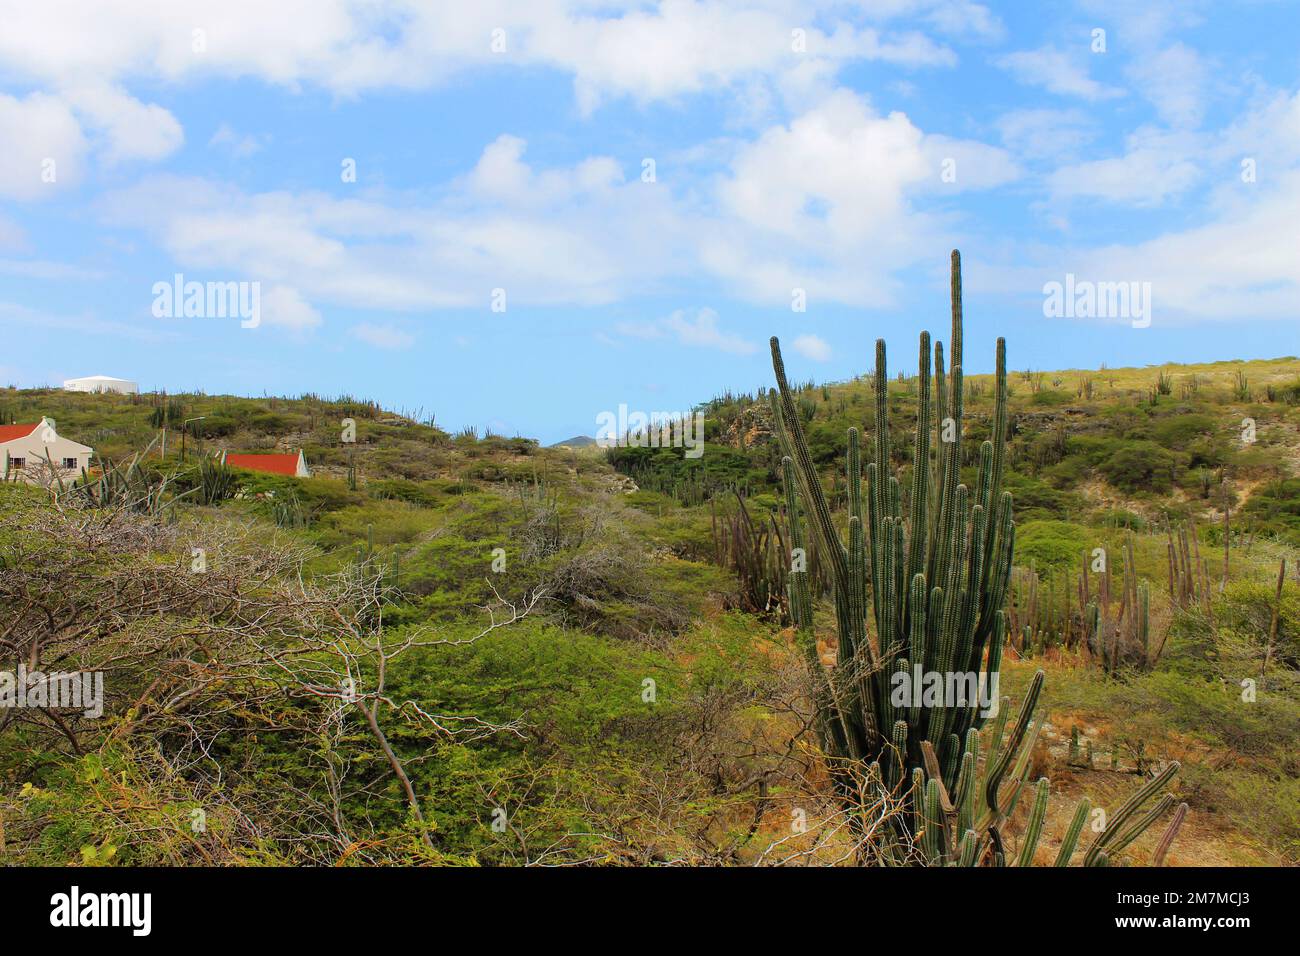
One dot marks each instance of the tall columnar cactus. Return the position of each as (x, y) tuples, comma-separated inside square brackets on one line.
[(920, 582), (928, 570)]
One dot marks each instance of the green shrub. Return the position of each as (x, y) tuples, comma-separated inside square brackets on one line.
[(1140, 466), (1051, 544)]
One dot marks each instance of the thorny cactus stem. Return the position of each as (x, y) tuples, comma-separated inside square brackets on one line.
[(936, 567), (936, 571)]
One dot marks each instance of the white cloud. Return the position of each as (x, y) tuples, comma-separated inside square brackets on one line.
[(239, 145), (37, 131), (974, 165), (702, 331), (1174, 80), (1046, 133), (1241, 264), (1057, 71), (46, 146), (646, 52), (15, 314), (813, 347), (12, 236), (826, 203), (284, 307), (41, 269), (382, 336), (964, 18), (562, 240), (803, 205), (1156, 167), (131, 130)]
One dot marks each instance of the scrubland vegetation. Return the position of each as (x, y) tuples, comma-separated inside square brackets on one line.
[(358, 675)]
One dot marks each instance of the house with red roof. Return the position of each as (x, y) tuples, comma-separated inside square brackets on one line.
[(294, 466), (35, 451)]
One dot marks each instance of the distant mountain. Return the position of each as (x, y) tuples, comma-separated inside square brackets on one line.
[(580, 441)]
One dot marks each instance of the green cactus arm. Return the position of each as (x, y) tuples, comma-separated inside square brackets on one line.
[(966, 792), (1167, 838), (1115, 825), (898, 751), (1071, 839), (808, 478), (1139, 826), (917, 797), (918, 536), (1034, 830), (969, 850), (934, 836), (1018, 732)]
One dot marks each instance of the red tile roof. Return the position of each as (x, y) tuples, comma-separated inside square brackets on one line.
[(10, 432), (271, 464)]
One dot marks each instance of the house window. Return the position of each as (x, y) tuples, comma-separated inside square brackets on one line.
[(70, 463), (18, 463)]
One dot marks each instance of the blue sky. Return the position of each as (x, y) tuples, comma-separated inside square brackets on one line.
[(838, 149)]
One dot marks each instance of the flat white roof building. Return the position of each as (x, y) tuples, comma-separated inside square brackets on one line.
[(101, 383)]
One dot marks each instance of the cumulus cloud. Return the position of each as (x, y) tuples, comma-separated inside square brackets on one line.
[(1156, 166), (1046, 133), (130, 130), (239, 145), (49, 137), (813, 347), (1057, 71), (837, 186), (284, 307), (12, 236), (798, 206), (44, 149), (698, 331), (646, 52), (382, 336), (1174, 79)]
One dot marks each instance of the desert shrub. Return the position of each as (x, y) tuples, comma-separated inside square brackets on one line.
[(1036, 499), (1050, 544), (269, 423), (1175, 431), (445, 575), (485, 471), (1206, 452), (1120, 518), (382, 523), (1140, 466), (417, 461), (652, 502), (1274, 507), (1243, 614), (1050, 398), (1070, 472), (668, 469), (424, 493), (319, 495), (214, 426)]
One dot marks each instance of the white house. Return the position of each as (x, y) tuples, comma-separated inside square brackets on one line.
[(101, 383), (27, 452)]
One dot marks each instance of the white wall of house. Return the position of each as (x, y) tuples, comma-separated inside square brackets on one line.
[(26, 456)]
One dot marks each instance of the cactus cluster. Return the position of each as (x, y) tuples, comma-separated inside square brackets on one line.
[(920, 580), (935, 563), (1119, 636)]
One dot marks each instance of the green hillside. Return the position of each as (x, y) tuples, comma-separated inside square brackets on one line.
[(471, 649)]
